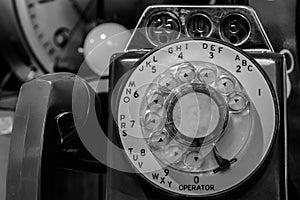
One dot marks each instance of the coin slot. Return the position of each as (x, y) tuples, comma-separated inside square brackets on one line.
[(235, 28), (162, 27), (198, 25), (163, 39), (233, 39)]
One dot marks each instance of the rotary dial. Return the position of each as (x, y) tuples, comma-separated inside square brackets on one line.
[(199, 117)]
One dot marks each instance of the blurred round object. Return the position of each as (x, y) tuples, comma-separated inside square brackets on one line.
[(42, 32), (101, 43)]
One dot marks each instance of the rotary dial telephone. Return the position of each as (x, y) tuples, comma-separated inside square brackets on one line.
[(195, 101), (196, 109)]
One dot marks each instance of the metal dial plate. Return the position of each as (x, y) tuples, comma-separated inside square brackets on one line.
[(247, 135), (54, 30)]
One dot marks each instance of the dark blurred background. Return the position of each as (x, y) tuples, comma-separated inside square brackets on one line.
[(280, 18)]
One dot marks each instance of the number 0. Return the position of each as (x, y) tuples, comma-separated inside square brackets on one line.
[(196, 179)]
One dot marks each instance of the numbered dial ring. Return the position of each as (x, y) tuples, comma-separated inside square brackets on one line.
[(197, 104)]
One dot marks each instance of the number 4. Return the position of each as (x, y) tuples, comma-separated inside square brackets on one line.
[(180, 55)]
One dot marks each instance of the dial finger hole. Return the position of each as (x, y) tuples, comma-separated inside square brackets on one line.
[(173, 154), (237, 102), (226, 85), (208, 76), (167, 83), (159, 139), (155, 101), (194, 160), (186, 73), (152, 121)]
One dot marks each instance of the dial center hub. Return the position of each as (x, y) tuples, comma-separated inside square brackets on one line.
[(196, 115)]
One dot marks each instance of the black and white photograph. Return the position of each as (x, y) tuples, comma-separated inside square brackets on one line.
[(149, 100)]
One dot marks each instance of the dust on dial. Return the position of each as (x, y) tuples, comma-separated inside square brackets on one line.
[(54, 30), (199, 117)]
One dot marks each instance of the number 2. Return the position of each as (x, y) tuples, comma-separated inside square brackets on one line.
[(238, 69)]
